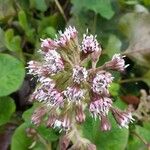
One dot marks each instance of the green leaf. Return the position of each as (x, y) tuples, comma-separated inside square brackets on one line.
[(2, 43), (7, 108), (49, 32), (28, 113), (39, 5), (114, 89), (113, 45), (119, 104), (12, 73), (146, 2), (20, 139), (50, 21), (115, 139), (102, 7), (12, 42), (146, 125), (29, 32), (134, 142), (6, 10), (146, 78), (47, 133), (23, 20)]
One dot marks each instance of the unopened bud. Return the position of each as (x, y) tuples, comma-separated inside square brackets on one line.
[(80, 115)]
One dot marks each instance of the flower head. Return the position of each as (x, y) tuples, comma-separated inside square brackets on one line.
[(66, 88)]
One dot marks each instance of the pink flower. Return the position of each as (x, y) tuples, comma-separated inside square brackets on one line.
[(74, 94), (37, 115), (65, 86), (48, 44), (80, 115), (66, 122), (90, 44), (55, 98), (51, 120), (100, 106), (101, 82), (79, 74), (47, 94), (117, 63), (105, 124), (53, 62), (122, 118), (69, 34), (35, 68)]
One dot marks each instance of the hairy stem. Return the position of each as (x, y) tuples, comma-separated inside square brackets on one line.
[(43, 141), (61, 10)]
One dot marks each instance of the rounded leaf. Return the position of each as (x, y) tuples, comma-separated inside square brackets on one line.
[(19, 139), (7, 108), (12, 73)]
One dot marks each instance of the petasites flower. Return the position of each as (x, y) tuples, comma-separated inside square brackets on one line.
[(79, 74), (122, 118), (101, 82), (74, 94), (100, 106), (117, 63), (65, 37), (89, 44), (69, 84)]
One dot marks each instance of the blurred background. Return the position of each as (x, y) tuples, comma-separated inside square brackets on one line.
[(121, 26)]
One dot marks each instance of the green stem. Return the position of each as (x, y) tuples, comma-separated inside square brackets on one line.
[(94, 23), (131, 80), (61, 10), (136, 51)]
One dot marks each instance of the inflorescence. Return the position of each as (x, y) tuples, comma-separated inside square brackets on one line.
[(67, 86)]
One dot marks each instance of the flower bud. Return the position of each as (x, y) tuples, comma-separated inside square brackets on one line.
[(117, 63), (31, 132), (105, 125), (100, 106), (64, 142), (51, 120), (80, 115), (65, 38), (122, 118), (48, 44), (37, 116)]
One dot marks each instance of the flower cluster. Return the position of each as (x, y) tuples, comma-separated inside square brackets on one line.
[(66, 87)]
